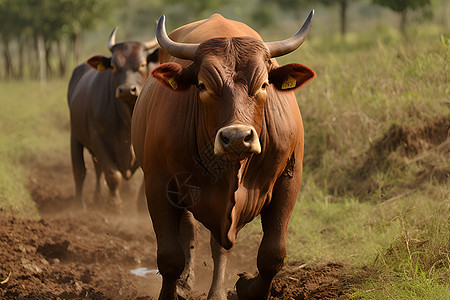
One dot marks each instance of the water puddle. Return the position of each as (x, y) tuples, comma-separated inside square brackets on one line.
[(144, 272)]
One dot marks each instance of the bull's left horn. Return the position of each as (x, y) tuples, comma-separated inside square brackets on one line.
[(287, 46), (151, 44), (112, 39), (178, 50)]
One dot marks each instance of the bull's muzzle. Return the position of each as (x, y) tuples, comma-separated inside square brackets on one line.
[(237, 140), (127, 91)]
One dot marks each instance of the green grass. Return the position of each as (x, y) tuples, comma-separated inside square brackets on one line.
[(33, 126), (376, 191)]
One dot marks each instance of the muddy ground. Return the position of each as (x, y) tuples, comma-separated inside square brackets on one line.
[(73, 254)]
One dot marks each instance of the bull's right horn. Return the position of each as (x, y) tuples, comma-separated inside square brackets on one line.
[(281, 48), (112, 39), (178, 50)]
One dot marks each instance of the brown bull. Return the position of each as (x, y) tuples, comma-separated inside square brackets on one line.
[(102, 94), (219, 135)]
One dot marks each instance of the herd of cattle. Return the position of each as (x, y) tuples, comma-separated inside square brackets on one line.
[(213, 122)]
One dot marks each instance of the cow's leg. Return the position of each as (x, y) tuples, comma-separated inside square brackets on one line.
[(114, 180), (141, 202), (188, 238), (113, 176), (166, 224), (98, 174), (220, 258), (78, 168), (272, 250)]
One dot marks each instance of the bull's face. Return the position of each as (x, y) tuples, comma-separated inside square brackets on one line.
[(233, 77), (129, 64)]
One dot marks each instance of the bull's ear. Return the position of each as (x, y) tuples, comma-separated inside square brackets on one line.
[(290, 77), (153, 57), (174, 76), (100, 63)]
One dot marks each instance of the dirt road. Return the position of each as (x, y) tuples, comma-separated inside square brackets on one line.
[(72, 254)]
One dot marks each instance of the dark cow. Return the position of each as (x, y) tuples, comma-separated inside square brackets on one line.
[(102, 94), (218, 133)]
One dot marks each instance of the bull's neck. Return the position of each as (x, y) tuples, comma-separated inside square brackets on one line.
[(125, 109)]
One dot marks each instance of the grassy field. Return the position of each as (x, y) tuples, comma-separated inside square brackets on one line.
[(376, 187), (34, 125)]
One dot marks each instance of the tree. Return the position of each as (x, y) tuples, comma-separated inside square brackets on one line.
[(35, 26), (343, 7), (296, 5), (402, 7), (14, 23)]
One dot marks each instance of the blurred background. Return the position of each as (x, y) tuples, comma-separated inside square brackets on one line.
[(45, 39)]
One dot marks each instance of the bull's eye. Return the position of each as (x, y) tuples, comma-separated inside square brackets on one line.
[(264, 85), (114, 68), (143, 65), (201, 86)]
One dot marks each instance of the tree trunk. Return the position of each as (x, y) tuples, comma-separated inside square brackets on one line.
[(21, 57), (42, 62), (62, 58), (343, 18), (77, 47), (403, 15), (48, 63), (9, 68), (32, 57), (446, 13)]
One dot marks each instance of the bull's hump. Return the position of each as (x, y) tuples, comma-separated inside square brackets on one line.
[(216, 16), (215, 26)]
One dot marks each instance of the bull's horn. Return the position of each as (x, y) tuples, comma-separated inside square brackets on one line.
[(112, 38), (151, 44), (178, 50), (284, 47)]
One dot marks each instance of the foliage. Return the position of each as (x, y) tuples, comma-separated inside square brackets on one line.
[(416, 264), (401, 5), (50, 19)]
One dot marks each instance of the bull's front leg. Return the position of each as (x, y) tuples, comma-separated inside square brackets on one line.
[(98, 175), (112, 174), (272, 250), (220, 258), (78, 168), (188, 238), (166, 224), (141, 200)]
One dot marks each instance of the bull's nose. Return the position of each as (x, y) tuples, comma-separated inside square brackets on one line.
[(237, 139), (127, 91)]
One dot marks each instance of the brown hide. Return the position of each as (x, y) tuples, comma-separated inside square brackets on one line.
[(173, 131)]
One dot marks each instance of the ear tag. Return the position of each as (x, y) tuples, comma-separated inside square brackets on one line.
[(289, 83), (173, 83), (100, 67)]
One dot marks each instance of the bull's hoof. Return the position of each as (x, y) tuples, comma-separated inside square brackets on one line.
[(183, 289), (244, 288), (243, 285)]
